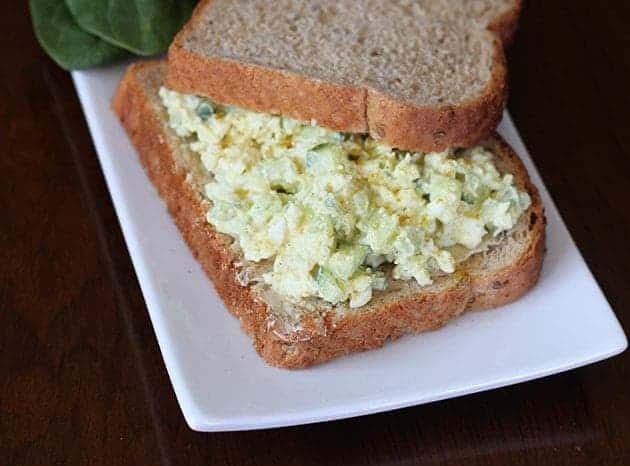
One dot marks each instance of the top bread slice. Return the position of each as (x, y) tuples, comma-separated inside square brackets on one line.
[(320, 331), (421, 75)]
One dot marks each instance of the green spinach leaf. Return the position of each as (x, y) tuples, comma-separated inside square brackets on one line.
[(64, 41), (144, 27)]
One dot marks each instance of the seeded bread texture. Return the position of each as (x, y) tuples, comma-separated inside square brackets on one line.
[(498, 276), (422, 75)]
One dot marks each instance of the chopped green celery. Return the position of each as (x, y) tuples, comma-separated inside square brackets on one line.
[(347, 260), (204, 110), (328, 286)]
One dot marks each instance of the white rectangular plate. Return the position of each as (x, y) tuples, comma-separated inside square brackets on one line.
[(221, 383)]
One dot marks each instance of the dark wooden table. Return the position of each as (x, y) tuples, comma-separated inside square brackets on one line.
[(81, 377)]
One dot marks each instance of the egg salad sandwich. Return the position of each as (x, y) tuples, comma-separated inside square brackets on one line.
[(338, 199)]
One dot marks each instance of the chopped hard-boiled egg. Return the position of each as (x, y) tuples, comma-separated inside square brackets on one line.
[(330, 210)]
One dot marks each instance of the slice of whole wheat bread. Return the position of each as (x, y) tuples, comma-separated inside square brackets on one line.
[(422, 75), (492, 278)]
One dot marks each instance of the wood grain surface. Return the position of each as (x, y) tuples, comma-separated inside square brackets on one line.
[(81, 377)]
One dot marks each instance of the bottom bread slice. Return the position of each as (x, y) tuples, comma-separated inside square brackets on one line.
[(489, 279)]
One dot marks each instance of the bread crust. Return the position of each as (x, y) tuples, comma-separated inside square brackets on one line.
[(267, 90), (505, 25), (346, 108), (331, 336)]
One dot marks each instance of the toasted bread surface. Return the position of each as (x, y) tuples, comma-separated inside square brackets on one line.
[(423, 75), (498, 276)]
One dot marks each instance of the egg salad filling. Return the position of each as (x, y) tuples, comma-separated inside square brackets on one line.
[(332, 211)]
